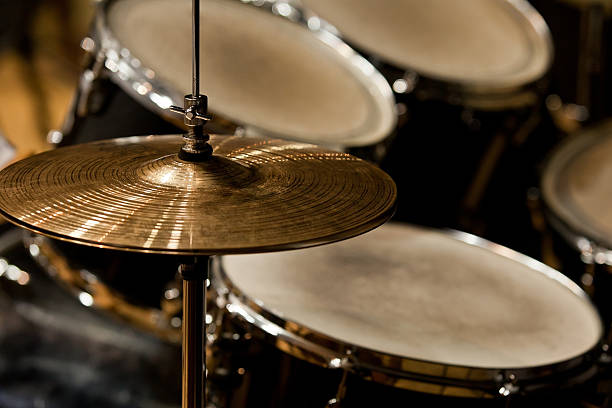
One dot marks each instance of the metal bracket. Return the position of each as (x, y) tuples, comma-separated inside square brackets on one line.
[(195, 110)]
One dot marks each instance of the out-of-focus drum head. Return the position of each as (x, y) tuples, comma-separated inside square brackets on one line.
[(259, 70), (485, 44), (427, 296), (576, 184)]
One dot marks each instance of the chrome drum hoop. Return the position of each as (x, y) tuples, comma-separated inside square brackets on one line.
[(590, 251), (503, 96), (397, 371), (143, 84)]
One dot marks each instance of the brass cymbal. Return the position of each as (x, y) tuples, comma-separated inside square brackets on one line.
[(252, 195)]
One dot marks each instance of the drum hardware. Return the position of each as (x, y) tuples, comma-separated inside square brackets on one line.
[(93, 72), (567, 117), (93, 94), (336, 402), (82, 103), (194, 313)]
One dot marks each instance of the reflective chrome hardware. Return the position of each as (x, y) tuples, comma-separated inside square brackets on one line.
[(55, 137), (340, 393), (333, 403), (508, 386), (194, 112), (196, 147)]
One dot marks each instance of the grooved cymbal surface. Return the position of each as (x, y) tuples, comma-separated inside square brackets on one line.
[(253, 195)]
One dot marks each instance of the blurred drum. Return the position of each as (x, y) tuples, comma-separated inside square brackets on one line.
[(576, 192), (262, 72), (57, 352), (403, 315), (483, 54), (469, 78)]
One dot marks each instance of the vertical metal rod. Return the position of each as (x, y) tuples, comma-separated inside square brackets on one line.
[(195, 31), (194, 346)]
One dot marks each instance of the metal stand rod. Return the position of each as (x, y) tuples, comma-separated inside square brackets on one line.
[(194, 347), (195, 32), (195, 106)]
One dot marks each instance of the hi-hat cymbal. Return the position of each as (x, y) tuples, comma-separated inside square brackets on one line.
[(252, 195)]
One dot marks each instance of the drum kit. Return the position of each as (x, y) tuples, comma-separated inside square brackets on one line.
[(260, 254)]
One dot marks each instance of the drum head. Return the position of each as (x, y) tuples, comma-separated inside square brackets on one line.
[(425, 295), (484, 43), (259, 70), (576, 184)]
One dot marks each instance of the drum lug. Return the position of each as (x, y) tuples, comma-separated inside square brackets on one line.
[(80, 106), (333, 403), (87, 82), (508, 384), (225, 361), (605, 358), (567, 117), (406, 83)]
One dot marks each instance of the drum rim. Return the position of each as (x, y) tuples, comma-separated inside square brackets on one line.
[(130, 75), (488, 95), (577, 231), (318, 348)]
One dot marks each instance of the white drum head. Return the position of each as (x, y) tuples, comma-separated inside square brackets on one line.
[(576, 184), (424, 295), (260, 70), (483, 43)]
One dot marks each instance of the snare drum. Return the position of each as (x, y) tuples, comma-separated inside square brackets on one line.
[(576, 191), (403, 316), (262, 72)]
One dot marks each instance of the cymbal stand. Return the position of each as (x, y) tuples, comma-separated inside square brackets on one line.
[(195, 149), (194, 277), (194, 111)]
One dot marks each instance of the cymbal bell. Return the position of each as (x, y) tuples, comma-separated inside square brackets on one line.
[(252, 195)]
